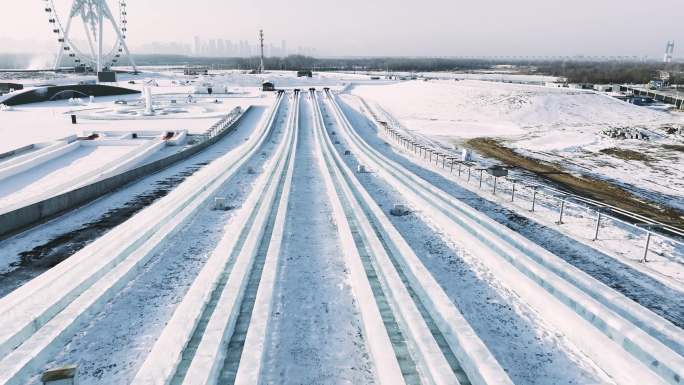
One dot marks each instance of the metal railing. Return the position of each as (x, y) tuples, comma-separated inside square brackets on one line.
[(660, 238), (222, 124)]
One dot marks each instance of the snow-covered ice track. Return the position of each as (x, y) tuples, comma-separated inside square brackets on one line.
[(39, 315), (25, 162), (630, 343), (443, 346), (201, 344)]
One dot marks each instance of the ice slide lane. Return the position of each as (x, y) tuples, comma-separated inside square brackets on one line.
[(305, 328), (203, 341), (386, 343), (21, 163), (445, 348), (632, 344), (39, 314), (53, 185)]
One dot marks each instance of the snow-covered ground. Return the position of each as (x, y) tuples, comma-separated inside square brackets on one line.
[(42, 122), (334, 279), (562, 126)]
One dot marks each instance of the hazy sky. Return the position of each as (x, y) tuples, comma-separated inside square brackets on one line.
[(397, 27)]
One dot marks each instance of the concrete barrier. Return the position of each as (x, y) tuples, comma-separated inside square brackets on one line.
[(25, 217), (16, 151)]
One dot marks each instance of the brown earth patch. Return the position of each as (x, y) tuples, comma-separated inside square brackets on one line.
[(593, 188), (674, 147), (626, 154)]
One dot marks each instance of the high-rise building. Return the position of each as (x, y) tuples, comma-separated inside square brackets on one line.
[(198, 46), (231, 48), (220, 48), (212, 47), (283, 48)]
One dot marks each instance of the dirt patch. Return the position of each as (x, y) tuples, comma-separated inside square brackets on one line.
[(596, 189), (674, 147), (63, 246), (43, 257), (626, 154)]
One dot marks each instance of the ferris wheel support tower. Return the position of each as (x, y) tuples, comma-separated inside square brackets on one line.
[(94, 14)]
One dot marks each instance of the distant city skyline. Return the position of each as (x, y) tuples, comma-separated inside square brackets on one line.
[(378, 28), (221, 47)]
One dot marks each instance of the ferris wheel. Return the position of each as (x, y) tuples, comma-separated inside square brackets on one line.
[(100, 44)]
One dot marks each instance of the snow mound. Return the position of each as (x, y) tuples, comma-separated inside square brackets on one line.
[(470, 108)]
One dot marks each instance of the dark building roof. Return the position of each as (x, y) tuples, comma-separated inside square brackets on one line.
[(48, 93)]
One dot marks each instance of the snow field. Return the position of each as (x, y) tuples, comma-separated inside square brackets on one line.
[(430, 199), (162, 363), (560, 126), (622, 240), (72, 287), (613, 258), (669, 334)]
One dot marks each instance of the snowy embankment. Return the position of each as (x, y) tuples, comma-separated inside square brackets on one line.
[(557, 125), (21, 163), (594, 317), (40, 175)]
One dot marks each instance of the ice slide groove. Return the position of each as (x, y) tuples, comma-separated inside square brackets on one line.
[(246, 367), (191, 346), (33, 159), (269, 246), (387, 367), (220, 348), (39, 315), (346, 177), (400, 343), (496, 242), (429, 336)]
